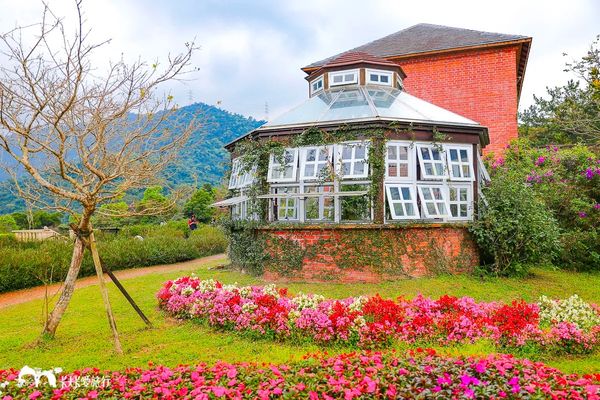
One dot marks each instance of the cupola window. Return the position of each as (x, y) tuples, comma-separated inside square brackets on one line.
[(378, 77), (316, 85), (343, 78)]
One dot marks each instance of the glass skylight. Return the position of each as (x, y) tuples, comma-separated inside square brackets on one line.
[(360, 103)]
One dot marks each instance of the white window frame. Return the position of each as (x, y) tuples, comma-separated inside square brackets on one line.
[(379, 73), (353, 160), (459, 163), (304, 163), (315, 81), (442, 161), (443, 192), (332, 75), (412, 168), (321, 202), (277, 201), (234, 178), (274, 163), (413, 200), (469, 201)]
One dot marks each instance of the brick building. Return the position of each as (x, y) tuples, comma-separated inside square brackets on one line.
[(378, 173)]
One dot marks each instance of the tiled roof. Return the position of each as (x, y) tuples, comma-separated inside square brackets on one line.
[(353, 57), (423, 38), (356, 57)]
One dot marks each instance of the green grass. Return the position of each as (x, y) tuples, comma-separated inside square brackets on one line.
[(83, 338)]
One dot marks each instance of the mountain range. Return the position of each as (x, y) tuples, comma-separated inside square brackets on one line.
[(202, 160)]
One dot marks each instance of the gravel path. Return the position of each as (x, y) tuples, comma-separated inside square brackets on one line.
[(22, 296)]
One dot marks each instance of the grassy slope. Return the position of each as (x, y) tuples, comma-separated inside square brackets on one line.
[(83, 338)]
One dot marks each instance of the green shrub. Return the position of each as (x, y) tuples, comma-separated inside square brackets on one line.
[(30, 264), (581, 249), (514, 228), (7, 240), (209, 240), (7, 224)]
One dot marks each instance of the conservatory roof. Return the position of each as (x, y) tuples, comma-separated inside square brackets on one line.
[(365, 103)]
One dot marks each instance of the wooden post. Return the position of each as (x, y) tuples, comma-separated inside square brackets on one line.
[(104, 291), (127, 296)]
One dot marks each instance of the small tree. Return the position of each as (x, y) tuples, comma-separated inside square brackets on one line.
[(7, 224), (84, 137), (199, 204)]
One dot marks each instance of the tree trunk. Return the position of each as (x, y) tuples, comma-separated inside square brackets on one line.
[(68, 288), (104, 291)]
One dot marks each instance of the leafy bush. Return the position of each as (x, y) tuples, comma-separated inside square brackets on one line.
[(7, 224), (30, 264), (514, 228), (567, 181)]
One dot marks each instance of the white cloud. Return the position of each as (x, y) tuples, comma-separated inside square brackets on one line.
[(251, 52)]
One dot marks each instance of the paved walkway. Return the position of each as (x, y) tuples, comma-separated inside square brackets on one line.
[(25, 295)]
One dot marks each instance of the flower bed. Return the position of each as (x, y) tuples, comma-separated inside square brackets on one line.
[(418, 374), (367, 322)]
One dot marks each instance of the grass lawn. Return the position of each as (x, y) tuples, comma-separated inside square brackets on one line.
[(83, 338)]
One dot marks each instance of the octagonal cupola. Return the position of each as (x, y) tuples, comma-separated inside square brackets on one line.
[(358, 69)]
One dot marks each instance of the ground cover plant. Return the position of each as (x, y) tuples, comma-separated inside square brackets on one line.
[(25, 265), (570, 325), (82, 340), (417, 374)]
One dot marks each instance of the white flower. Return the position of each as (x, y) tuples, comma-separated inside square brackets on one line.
[(187, 291), (573, 310), (271, 290)]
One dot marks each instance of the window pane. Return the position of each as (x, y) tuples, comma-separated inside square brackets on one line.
[(453, 155), (427, 194), (309, 170), (436, 154), (374, 77), (464, 156), (455, 170), (431, 208), (437, 193), (466, 171), (406, 193), (337, 78), (346, 152), (349, 77), (410, 210), (311, 155), (403, 172), (311, 206), (289, 157), (288, 171), (346, 168), (452, 194), (359, 152), (439, 169), (403, 153), (429, 169), (463, 210), (359, 168), (394, 193), (323, 155), (442, 208), (392, 170), (385, 78), (454, 210), (392, 154), (398, 209), (425, 154)]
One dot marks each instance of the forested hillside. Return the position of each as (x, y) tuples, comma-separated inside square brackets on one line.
[(202, 161)]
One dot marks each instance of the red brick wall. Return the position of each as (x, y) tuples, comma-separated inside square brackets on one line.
[(478, 84), (345, 254)]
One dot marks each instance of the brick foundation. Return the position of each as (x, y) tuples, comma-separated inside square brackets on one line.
[(372, 253)]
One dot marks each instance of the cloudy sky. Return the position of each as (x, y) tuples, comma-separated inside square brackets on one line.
[(251, 51)]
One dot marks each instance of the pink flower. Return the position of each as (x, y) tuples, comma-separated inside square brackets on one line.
[(35, 395)]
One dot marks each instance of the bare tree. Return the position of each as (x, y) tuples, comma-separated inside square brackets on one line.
[(84, 137)]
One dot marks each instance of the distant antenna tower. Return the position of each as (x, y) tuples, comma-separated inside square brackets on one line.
[(266, 111), (190, 96)]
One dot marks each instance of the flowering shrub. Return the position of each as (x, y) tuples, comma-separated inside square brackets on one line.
[(567, 183), (418, 374), (370, 322), (572, 310)]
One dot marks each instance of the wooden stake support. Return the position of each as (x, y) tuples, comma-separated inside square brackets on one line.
[(104, 291), (127, 296)]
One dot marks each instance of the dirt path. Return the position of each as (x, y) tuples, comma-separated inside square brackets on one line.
[(22, 296)]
